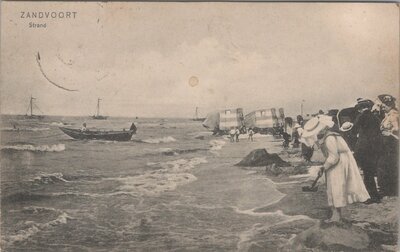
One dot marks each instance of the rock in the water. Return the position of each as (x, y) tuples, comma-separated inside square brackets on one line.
[(260, 157), (332, 237), (199, 137)]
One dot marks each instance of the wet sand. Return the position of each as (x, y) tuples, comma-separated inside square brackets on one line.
[(377, 221)]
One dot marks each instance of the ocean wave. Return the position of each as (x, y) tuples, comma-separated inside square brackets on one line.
[(217, 144), (59, 124), (24, 129), (173, 152), (37, 209), (35, 228), (49, 178), (171, 175), (257, 234), (311, 175), (179, 165), (168, 139), (25, 196), (38, 148)]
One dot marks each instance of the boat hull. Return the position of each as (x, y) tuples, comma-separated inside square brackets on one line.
[(99, 117), (98, 135), (198, 119), (34, 117)]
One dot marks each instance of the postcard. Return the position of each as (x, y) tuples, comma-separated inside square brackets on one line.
[(199, 126)]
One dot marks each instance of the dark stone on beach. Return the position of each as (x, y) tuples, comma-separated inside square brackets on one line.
[(260, 157), (332, 237), (199, 137)]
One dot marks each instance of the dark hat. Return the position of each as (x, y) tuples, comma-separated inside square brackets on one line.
[(387, 99), (364, 103), (332, 112)]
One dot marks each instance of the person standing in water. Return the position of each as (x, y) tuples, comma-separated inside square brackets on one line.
[(344, 184), (251, 133), (232, 133), (237, 133), (84, 127)]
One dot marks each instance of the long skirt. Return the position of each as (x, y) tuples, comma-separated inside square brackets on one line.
[(344, 182), (388, 174)]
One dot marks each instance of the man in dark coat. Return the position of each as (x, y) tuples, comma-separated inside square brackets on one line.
[(367, 147)]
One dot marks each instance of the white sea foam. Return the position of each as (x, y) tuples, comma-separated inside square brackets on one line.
[(249, 237), (167, 139), (38, 148), (49, 178), (166, 151), (171, 151), (288, 182), (34, 228), (217, 144), (37, 209), (173, 174), (58, 124)]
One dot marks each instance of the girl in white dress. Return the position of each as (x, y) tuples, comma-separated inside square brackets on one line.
[(343, 180)]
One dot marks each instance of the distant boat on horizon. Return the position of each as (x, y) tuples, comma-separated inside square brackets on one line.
[(30, 109), (196, 116), (98, 116)]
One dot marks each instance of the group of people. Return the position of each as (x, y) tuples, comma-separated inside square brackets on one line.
[(374, 149), (234, 134), (376, 145)]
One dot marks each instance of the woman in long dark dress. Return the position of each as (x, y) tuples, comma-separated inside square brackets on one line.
[(388, 163)]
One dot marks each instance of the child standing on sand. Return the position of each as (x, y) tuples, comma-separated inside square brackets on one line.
[(232, 133), (344, 184), (251, 133)]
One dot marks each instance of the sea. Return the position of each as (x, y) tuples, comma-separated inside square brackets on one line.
[(173, 187)]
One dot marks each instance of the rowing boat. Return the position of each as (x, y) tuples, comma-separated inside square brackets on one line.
[(122, 135)]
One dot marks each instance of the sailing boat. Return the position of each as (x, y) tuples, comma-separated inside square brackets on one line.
[(30, 109), (98, 116), (196, 116)]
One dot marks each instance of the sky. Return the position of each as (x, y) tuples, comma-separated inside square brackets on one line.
[(165, 59)]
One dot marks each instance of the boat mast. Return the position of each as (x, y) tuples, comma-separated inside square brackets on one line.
[(196, 113), (31, 104), (98, 106)]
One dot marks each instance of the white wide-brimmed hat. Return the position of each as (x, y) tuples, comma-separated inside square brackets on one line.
[(316, 124), (346, 126)]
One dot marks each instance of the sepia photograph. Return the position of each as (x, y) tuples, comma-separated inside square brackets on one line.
[(199, 126)]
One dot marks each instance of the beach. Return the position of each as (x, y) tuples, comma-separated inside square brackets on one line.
[(173, 187)]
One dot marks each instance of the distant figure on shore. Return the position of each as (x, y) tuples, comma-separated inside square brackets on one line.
[(306, 152), (84, 127), (368, 146), (388, 173), (286, 139), (296, 136), (232, 133), (237, 133), (343, 180), (251, 133)]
